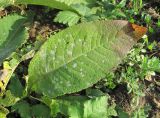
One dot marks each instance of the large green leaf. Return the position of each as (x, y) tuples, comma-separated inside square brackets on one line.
[(40, 111), (16, 87), (27, 111), (23, 108), (59, 4), (5, 3), (12, 34), (79, 56), (8, 99), (82, 107)]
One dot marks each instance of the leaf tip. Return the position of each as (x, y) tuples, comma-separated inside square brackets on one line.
[(139, 31)]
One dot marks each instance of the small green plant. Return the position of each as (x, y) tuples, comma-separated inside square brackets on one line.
[(100, 9), (141, 112), (137, 4)]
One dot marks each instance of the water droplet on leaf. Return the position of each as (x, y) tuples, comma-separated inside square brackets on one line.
[(74, 65)]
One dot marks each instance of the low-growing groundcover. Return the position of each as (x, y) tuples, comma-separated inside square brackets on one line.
[(79, 59)]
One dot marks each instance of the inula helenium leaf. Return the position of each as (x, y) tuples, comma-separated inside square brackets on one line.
[(12, 34), (82, 107), (5, 3), (59, 4), (79, 56)]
